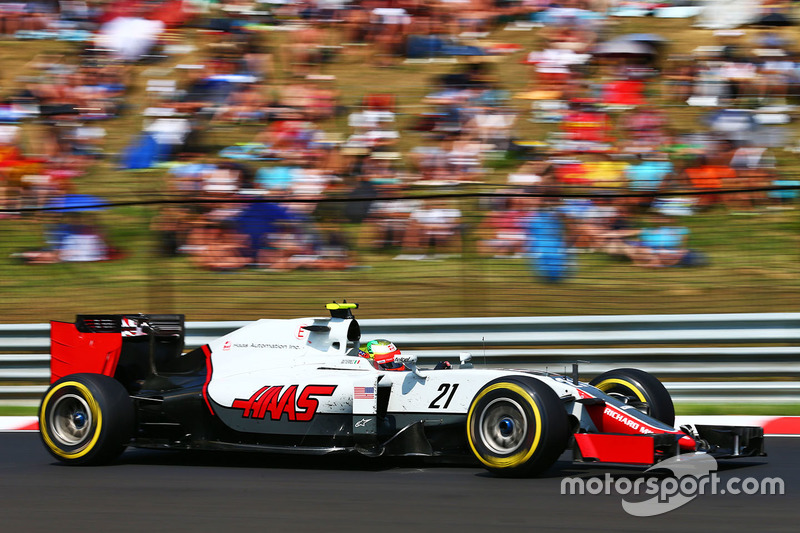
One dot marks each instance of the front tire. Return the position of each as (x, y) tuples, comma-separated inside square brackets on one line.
[(517, 427), (640, 389), (86, 419)]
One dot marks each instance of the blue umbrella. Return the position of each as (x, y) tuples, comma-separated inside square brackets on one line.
[(549, 257), (74, 203)]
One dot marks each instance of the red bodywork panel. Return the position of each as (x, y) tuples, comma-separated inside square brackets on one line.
[(72, 351), (608, 448), (609, 419)]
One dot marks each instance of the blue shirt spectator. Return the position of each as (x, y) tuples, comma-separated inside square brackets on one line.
[(648, 175)]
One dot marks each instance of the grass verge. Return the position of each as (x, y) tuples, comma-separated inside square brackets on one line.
[(19, 410)]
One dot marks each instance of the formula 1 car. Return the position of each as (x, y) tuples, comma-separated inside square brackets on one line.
[(300, 386)]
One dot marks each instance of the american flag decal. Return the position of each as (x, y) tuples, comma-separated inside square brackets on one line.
[(364, 393)]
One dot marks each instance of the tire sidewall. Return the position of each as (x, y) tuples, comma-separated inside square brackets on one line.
[(644, 386), (111, 419), (545, 433)]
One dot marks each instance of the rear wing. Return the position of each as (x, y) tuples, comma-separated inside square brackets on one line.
[(132, 325), (97, 343)]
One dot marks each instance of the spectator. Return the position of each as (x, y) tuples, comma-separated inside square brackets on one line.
[(217, 246), (434, 225), (649, 175), (507, 229), (587, 220), (660, 245), (75, 238), (388, 221), (289, 247)]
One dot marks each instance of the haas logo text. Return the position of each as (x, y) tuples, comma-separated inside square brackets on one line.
[(273, 401)]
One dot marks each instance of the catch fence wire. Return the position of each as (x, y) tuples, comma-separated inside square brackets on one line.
[(433, 255)]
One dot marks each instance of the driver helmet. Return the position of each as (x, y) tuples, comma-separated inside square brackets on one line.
[(382, 351)]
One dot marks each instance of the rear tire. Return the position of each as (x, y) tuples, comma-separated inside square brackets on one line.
[(640, 389), (86, 419), (517, 427)]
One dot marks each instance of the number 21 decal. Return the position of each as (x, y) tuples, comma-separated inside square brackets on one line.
[(443, 389)]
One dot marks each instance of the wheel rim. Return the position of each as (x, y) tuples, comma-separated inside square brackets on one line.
[(71, 419), (503, 426)]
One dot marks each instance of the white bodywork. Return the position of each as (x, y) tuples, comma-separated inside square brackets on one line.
[(276, 373), (280, 352)]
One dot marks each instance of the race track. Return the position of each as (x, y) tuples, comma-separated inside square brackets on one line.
[(149, 491)]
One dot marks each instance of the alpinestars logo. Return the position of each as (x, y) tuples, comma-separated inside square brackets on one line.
[(275, 402)]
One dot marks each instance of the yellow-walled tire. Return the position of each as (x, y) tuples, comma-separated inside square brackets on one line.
[(517, 427), (640, 389), (86, 419)]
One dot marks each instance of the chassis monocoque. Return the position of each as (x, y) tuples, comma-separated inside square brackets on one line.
[(299, 386)]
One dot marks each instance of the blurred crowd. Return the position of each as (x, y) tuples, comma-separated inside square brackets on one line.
[(595, 118)]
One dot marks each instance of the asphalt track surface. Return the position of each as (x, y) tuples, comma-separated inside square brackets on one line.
[(154, 491)]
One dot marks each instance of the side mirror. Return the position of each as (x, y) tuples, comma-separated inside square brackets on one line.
[(466, 360), (411, 363)]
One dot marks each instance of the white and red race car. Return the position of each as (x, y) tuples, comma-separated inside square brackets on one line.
[(300, 386)]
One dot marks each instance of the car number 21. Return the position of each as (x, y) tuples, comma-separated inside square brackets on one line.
[(445, 389)]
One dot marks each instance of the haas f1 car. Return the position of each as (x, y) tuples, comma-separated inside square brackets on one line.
[(303, 386)]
